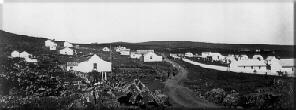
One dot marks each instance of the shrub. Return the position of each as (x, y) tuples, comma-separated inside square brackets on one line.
[(215, 95), (231, 99)]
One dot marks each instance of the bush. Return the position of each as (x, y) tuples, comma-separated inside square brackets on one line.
[(215, 95), (231, 99)]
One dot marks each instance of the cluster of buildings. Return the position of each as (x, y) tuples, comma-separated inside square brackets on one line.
[(244, 63), (27, 56), (142, 55), (66, 47)]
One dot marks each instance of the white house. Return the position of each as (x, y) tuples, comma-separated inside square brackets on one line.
[(259, 57), (25, 54), (135, 55), (189, 54), (119, 48), (273, 65), (67, 44), (15, 54), (216, 56), (288, 66), (230, 58), (152, 57), (125, 52), (48, 43), (243, 57), (51, 44), (205, 54), (106, 49), (67, 51), (248, 66), (94, 63)]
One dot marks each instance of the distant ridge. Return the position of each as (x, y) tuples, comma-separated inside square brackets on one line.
[(191, 44), (13, 41)]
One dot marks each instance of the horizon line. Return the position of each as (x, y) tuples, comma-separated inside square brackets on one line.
[(152, 41)]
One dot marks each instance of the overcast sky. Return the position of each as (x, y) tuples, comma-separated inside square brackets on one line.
[(257, 22)]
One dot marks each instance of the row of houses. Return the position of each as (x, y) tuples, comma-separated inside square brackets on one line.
[(54, 44), (142, 55), (68, 48), (27, 56), (242, 63)]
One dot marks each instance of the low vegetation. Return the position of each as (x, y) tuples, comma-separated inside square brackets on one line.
[(251, 91)]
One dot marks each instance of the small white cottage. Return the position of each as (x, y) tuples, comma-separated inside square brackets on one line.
[(152, 57), (94, 63), (51, 44), (119, 48), (205, 54), (15, 54), (25, 54), (216, 56), (243, 57), (273, 65), (135, 55), (259, 57), (106, 49), (288, 66), (230, 58), (67, 51), (188, 54)]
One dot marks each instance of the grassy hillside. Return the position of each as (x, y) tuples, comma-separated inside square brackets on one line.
[(10, 41)]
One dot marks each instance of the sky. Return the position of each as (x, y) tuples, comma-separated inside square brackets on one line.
[(216, 22)]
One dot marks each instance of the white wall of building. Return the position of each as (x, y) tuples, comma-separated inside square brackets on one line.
[(152, 57)]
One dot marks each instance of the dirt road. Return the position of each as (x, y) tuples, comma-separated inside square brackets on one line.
[(183, 95)]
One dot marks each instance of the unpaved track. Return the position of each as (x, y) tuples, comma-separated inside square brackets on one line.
[(183, 95)]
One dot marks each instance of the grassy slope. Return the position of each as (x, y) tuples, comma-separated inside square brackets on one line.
[(10, 41), (206, 79)]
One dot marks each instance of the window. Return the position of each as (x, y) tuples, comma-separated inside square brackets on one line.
[(150, 57), (252, 67), (259, 67), (244, 66), (95, 65)]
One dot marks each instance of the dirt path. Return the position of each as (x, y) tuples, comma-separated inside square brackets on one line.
[(183, 95), (216, 67)]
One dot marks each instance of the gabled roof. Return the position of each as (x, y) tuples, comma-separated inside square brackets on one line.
[(150, 53), (15, 51)]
